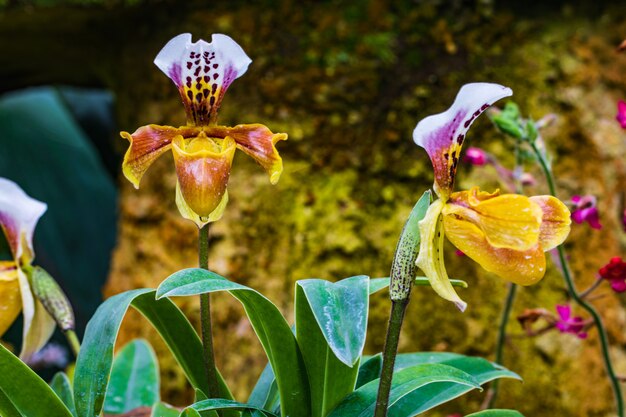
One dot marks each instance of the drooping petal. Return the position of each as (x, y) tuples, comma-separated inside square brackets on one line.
[(10, 301), (555, 221), (203, 169), (442, 135), (510, 221), (202, 72), (430, 257), (38, 324), (521, 267), (146, 145), (19, 214), (257, 141)]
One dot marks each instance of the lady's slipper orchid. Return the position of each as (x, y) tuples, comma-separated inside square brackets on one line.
[(203, 151), (506, 234), (19, 214)]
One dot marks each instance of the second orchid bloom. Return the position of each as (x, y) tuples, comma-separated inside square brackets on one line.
[(203, 151), (506, 234)]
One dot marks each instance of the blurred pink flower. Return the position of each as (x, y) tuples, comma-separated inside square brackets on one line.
[(621, 114), (585, 210), (569, 324), (624, 220), (476, 156), (615, 273)]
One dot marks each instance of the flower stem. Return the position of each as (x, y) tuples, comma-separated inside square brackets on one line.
[(504, 320), (571, 288), (205, 317), (398, 308), (72, 340)]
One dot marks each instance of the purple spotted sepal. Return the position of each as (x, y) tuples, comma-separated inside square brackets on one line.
[(202, 71), (442, 135)]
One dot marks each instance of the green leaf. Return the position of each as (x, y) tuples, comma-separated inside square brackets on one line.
[(265, 392), (377, 284), (164, 410), (62, 386), (496, 413), (272, 329), (95, 359), (331, 321), (361, 403), (29, 395), (215, 404), (134, 380), (433, 395), (369, 370), (403, 267), (7, 409)]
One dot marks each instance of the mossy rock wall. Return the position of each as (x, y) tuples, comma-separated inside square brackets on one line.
[(348, 82)]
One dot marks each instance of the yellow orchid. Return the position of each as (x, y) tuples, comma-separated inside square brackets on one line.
[(19, 214), (203, 151), (506, 234)]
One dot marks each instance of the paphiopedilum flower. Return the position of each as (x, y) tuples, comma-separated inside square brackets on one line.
[(203, 151), (19, 214), (506, 234)]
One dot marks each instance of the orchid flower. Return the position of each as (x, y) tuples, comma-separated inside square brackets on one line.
[(19, 214), (586, 210), (568, 324), (621, 113), (203, 151), (506, 234), (615, 273)]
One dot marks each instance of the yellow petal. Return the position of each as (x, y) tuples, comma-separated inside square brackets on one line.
[(189, 214), (146, 145), (509, 221), (521, 267), (10, 301), (430, 257), (203, 169), (38, 324), (555, 221)]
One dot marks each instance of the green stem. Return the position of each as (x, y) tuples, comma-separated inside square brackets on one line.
[(504, 320), (398, 308), (205, 317), (571, 288), (73, 341)]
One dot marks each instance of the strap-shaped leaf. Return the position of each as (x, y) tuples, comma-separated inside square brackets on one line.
[(7, 409), (331, 321), (28, 394), (134, 379), (93, 366), (265, 391), (361, 403), (369, 370), (272, 329), (62, 386), (216, 404), (164, 410)]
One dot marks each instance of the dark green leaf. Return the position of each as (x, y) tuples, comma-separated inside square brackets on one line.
[(330, 327), (7, 409), (62, 386), (134, 380), (496, 413), (369, 370), (26, 391), (95, 359), (221, 404), (270, 326), (361, 403), (265, 392)]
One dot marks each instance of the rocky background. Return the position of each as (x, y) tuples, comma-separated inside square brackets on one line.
[(348, 81)]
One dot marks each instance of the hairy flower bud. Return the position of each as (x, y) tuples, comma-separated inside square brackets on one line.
[(53, 298)]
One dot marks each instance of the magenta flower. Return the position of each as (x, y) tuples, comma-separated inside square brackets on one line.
[(585, 210), (624, 220), (476, 157), (568, 324), (621, 114), (615, 273)]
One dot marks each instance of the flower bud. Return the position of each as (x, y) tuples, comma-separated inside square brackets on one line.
[(54, 300)]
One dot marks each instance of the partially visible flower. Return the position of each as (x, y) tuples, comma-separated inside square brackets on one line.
[(52, 355), (476, 156), (624, 220), (203, 150), (621, 114), (459, 252), (568, 324), (506, 234), (615, 273), (19, 214), (585, 210)]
